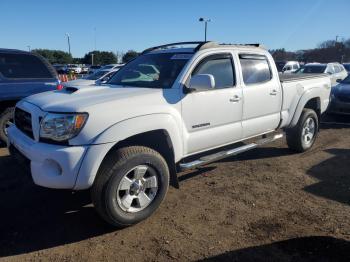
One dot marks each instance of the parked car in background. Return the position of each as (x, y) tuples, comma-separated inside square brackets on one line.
[(60, 69), (127, 139), (101, 75), (347, 67), (340, 98), (94, 68), (280, 65), (85, 69), (73, 68), (336, 71), (21, 74), (290, 67)]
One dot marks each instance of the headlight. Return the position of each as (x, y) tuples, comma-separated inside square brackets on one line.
[(62, 127)]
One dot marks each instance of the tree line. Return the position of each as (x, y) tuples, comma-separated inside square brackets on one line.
[(326, 52), (97, 57)]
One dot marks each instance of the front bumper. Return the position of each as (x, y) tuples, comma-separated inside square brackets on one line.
[(339, 107), (51, 166)]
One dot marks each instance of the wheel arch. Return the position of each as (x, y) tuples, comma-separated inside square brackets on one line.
[(158, 132), (309, 100)]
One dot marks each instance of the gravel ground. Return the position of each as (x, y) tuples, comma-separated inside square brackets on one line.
[(266, 204)]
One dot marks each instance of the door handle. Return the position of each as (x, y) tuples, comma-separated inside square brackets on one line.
[(235, 99), (273, 92)]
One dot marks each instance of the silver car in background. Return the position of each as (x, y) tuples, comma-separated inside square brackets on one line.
[(336, 71)]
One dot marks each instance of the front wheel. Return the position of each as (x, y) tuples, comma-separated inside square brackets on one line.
[(130, 185), (302, 137)]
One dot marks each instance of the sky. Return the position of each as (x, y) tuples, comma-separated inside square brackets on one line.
[(136, 24)]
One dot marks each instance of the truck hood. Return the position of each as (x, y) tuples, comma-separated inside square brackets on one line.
[(81, 98), (79, 82)]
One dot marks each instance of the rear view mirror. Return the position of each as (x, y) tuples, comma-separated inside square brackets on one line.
[(202, 82)]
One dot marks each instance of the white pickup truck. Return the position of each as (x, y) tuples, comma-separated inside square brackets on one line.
[(127, 139)]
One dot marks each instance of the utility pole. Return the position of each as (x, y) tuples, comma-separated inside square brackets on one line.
[(28, 48), (92, 59), (68, 39), (205, 20)]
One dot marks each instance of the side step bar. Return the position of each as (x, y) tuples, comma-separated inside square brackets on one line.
[(231, 152)]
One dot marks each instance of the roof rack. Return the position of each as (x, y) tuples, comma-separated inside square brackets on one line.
[(255, 45), (200, 45)]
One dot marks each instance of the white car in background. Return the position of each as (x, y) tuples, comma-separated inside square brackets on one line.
[(336, 71), (73, 68), (102, 76), (290, 67)]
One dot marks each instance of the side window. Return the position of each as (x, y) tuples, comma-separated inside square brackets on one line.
[(330, 69), (221, 67), (19, 66), (255, 69), (337, 69), (295, 66)]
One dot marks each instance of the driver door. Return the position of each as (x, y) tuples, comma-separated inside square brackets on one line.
[(213, 117)]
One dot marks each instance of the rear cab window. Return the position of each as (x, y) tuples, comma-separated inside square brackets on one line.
[(221, 67), (256, 69), (23, 66)]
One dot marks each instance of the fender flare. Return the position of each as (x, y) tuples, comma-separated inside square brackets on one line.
[(305, 98), (121, 131)]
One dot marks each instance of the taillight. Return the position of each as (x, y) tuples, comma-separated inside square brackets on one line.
[(59, 87)]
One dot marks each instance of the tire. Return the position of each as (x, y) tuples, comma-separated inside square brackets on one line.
[(5, 118), (116, 184), (302, 137)]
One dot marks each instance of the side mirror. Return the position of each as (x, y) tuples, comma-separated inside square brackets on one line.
[(202, 82), (339, 80)]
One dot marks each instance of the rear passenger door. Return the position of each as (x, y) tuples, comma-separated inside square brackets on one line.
[(261, 93)]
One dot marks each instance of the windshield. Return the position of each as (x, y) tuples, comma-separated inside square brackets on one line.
[(97, 75), (151, 70), (312, 69)]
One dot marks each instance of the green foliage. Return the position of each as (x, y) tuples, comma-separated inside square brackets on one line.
[(55, 56), (131, 54), (100, 58), (282, 55), (326, 52)]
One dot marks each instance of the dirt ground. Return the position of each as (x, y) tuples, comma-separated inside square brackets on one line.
[(267, 204)]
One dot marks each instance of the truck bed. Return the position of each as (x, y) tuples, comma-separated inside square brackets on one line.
[(296, 77)]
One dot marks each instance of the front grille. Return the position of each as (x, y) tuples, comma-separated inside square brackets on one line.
[(23, 121), (344, 98)]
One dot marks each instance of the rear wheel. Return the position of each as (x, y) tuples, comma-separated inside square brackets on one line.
[(130, 185), (302, 137), (6, 119)]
